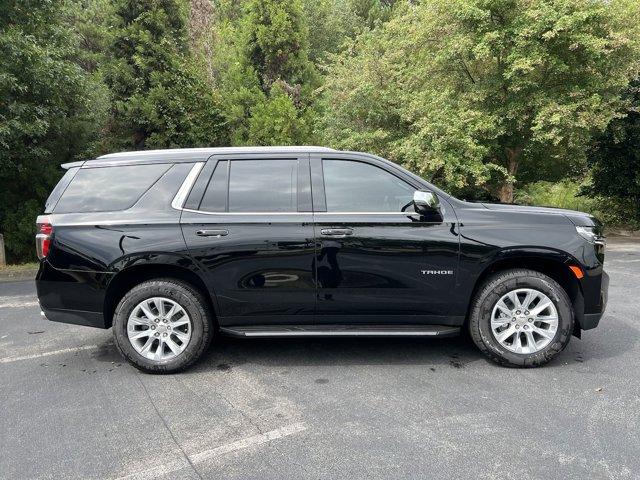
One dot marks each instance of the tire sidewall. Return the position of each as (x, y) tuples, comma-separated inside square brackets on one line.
[(495, 290), (186, 299)]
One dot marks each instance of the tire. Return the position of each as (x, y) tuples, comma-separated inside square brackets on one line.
[(198, 329), (485, 303)]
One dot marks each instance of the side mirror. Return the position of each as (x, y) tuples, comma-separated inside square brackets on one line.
[(426, 203)]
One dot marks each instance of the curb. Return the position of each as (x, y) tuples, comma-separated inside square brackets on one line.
[(18, 276), (613, 238)]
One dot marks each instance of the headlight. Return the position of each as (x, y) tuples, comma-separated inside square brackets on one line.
[(591, 234)]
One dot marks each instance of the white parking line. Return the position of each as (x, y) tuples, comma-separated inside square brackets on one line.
[(18, 301), (159, 471), (176, 465), (249, 442), (47, 354), (18, 305)]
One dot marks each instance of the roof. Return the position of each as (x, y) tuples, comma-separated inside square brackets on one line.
[(216, 150), (189, 154), (200, 152)]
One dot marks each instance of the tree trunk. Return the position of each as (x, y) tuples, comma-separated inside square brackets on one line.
[(139, 139), (513, 159)]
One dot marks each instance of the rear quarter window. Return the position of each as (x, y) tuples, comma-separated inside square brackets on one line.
[(55, 194), (104, 189)]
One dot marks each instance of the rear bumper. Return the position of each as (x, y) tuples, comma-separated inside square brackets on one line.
[(591, 320), (75, 317), (71, 296)]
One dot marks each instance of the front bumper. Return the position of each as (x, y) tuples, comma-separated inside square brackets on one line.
[(591, 320)]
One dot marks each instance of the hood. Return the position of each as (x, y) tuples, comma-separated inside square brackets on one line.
[(577, 218)]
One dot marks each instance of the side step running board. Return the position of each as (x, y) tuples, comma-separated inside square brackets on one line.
[(341, 331)]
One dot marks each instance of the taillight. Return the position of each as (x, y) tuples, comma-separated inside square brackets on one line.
[(43, 238)]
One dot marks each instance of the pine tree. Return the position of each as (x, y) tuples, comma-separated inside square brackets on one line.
[(160, 98), (278, 44), (267, 79)]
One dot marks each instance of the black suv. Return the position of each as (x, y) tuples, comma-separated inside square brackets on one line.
[(172, 247)]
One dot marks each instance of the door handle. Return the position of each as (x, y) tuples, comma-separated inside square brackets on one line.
[(212, 233), (336, 232)]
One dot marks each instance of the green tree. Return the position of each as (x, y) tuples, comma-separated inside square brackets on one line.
[(92, 20), (278, 44), (615, 160), (265, 76), (472, 92), (50, 113), (276, 121), (159, 97), (332, 23), (373, 13)]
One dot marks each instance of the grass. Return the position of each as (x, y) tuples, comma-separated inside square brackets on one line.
[(11, 270)]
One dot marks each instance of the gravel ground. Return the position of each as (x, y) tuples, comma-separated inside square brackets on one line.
[(321, 408)]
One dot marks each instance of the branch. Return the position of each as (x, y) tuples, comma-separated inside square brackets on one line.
[(464, 65)]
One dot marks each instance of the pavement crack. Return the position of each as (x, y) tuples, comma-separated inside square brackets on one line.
[(166, 426), (242, 413)]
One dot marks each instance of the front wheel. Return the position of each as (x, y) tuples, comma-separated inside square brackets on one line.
[(521, 318), (162, 326)]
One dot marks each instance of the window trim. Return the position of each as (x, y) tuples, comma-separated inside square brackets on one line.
[(306, 214), (316, 183), (184, 190)]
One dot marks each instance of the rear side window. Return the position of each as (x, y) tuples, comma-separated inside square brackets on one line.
[(104, 189), (252, 186), (263, 186)]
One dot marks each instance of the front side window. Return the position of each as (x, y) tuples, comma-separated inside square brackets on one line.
[(352, 186), (263, 186), (103, 189)]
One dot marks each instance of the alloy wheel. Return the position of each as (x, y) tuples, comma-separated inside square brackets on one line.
[(524, 321), (159, 328)]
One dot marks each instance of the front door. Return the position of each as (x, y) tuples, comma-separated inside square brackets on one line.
[(377, 261), (248, 223)]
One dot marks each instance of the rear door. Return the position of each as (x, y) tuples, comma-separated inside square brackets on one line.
[(377, 261), (248, 223)]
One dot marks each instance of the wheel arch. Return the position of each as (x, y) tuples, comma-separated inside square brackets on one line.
[(553, 264), (133, 275)]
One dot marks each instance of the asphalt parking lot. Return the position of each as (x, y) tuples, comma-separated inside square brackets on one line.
[(70, 407)]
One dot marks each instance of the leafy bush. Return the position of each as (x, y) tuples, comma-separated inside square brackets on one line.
[(567, 194), (615, 159), (562, 194), (50, 113)]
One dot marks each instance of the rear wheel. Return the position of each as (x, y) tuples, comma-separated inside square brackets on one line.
[(162, 326), (521, 318)]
